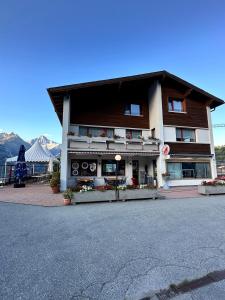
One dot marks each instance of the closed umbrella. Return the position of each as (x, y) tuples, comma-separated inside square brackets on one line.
[(20, 169)]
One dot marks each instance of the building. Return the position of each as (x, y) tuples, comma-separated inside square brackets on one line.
[(158, 123)]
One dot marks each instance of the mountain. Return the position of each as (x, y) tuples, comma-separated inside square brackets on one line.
[(52, 146), (11, 142)]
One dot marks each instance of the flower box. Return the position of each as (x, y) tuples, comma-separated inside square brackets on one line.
[(138, 194), (94, 196), (211, 189), (100, 196)]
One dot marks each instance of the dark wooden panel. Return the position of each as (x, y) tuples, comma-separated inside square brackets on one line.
[(196, 113), (106, 107), (185, 148)]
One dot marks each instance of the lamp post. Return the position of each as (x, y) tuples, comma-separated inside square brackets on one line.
[(117, 158)]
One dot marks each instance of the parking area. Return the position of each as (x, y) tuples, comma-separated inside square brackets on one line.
[(33, 194), (41, 194), (111, 250), (180, 192)]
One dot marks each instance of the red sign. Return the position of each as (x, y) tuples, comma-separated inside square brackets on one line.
[(166, 149)]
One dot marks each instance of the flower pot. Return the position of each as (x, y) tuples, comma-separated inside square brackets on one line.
[(55, 189), (67, 201)]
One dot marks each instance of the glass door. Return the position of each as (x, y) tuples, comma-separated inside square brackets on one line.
[(135, 171)]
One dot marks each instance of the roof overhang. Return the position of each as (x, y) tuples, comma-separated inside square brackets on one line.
[(58, 93)]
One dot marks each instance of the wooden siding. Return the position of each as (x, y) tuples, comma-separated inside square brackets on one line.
[(192, 148), (195, 108), (105, 107)]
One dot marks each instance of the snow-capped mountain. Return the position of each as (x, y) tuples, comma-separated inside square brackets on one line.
[(52, 146), (11, 142)]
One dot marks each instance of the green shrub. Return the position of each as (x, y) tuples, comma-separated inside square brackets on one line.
[(68, 194), (55, 180)]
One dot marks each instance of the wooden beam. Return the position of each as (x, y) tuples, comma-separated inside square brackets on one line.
[(188, 92), (209, 102)]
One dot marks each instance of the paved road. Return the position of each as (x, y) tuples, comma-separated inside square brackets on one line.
[(111, 250)]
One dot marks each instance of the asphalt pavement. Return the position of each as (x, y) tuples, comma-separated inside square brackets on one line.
[(111, 250)]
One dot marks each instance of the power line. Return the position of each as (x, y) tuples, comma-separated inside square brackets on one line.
[(219, 125)]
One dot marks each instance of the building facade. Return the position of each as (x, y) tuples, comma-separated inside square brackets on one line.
[(158, 123)]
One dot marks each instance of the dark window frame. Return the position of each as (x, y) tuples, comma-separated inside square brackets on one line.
[(121, 167), (182, 139), (128, 110), (130, 133), (172, 100), (102, 134)]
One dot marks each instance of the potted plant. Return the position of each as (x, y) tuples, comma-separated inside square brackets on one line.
[(54, 182), (141, 137), (103, 134), (68, 196), (165, 175)]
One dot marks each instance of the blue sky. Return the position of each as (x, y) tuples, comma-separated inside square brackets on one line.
[(50, 43)]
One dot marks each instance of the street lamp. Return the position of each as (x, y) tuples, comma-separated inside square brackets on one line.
[(117, 158)]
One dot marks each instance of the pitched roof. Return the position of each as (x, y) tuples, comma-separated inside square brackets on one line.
[(57, 93), (36, 153)]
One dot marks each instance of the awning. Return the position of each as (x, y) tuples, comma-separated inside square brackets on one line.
[(122, 153), (190, 155)]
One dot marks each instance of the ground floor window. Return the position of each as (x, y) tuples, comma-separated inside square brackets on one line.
[(182, 170), (109, 167), (83, 167)]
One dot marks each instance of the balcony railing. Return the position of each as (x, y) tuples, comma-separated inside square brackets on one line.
[(111, 144)]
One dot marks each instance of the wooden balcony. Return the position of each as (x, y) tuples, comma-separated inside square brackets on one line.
[(107, 144)]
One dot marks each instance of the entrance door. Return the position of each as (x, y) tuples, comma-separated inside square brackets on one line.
[(135, 171)]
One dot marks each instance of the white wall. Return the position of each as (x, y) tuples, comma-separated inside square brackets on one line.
[(156, 121), (169, 134), (64, 146), (202, 136), (155, 110), (146, 133), (74, 128), (120, 131), (213, 160)]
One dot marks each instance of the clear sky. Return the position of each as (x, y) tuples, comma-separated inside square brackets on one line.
[(56, 42)]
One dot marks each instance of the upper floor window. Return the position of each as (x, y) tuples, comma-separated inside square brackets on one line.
[(176, 105), (133, 134), (96, 131), (133, 110), (185, 135)]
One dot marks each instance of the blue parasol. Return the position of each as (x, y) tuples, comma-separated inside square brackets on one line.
[(20, 168)]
